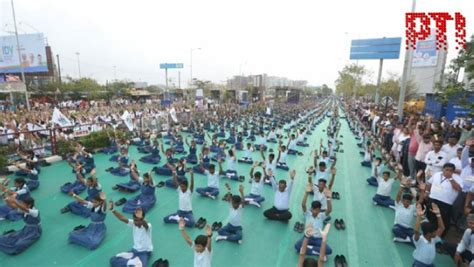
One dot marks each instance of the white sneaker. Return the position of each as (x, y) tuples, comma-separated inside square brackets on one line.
[(251, 202), (392, 207), (375, 203), (402, 240), (211, 196), (240, 242), (220, 237)]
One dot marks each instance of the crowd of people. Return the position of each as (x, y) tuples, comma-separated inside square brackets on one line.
[(432, 160)]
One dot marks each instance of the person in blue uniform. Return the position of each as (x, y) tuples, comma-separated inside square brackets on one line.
[(20, 191), (122, 169), (133, 185), (15, 242), (192, 156), (146, 200), (154, 157), (91, 236), (79, 184), (31, 174), (77, 207), (204, 161)]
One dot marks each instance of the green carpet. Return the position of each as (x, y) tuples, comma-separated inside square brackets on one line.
[(367, 240)]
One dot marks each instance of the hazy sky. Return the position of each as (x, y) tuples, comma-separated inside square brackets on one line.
[(298, 39)]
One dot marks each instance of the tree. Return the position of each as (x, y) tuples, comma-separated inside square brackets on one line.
[(452, 88), (325, 90), (350, 79)]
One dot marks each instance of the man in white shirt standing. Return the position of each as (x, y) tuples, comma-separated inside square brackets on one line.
[(443, 188), (142, 243), (435, 159), (451, 147)]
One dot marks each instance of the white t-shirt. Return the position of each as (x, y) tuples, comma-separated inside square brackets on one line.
[(441, 188), (450, 150), (256, 187), (141, 237), (425, 251), (185, 203), (404, 216), (235, 216), (212, 179), (317, 223), (385, 187), (202, 259)]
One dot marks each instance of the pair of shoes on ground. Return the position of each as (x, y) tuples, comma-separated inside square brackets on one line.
[(161, 263), (340, 224), (201, 223), (299, 227), (335, 195), (340, 261), (216, 226), (160, 184), (109, 169)]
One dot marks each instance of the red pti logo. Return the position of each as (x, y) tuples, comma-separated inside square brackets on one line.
[(440, 19)]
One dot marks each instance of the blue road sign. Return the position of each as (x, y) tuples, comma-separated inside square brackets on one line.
[(382, 48), (171, 65)]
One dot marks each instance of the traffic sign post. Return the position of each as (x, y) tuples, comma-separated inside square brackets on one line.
[(167, 66), (383, 48)]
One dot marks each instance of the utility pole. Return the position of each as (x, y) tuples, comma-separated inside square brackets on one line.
[(59, 69), (179, 79), (78, 64), (22, 71), (406, 74)]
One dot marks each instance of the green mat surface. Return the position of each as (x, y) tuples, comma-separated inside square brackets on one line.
[(367, 240)]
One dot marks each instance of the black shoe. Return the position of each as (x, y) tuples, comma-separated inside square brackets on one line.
[(343, 260), (203, 223), (8, 232), (165, 263), (120, 202), (241, 178), (79, 227), (296, 227), (337, 224), (342, 224), (338, 196), (109, 169), (154, 168), (218, 226), (214, 226), (115, 187), (333, 195), (65, 210), (160, 184), (337, 261), (158, 263), (199, 222)]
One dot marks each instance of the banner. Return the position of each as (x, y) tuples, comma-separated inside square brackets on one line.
[(127, 119), (33, 53), (60, 119), (426, 54)]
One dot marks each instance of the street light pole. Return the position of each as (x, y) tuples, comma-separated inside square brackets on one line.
[(22, 71), (78, 64)]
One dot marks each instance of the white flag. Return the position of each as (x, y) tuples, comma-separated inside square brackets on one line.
[(269, 111), (173, 115), (127, 119), (60, 119)]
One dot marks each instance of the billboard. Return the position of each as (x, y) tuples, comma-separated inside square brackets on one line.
[(426, 54), (33, 53)]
